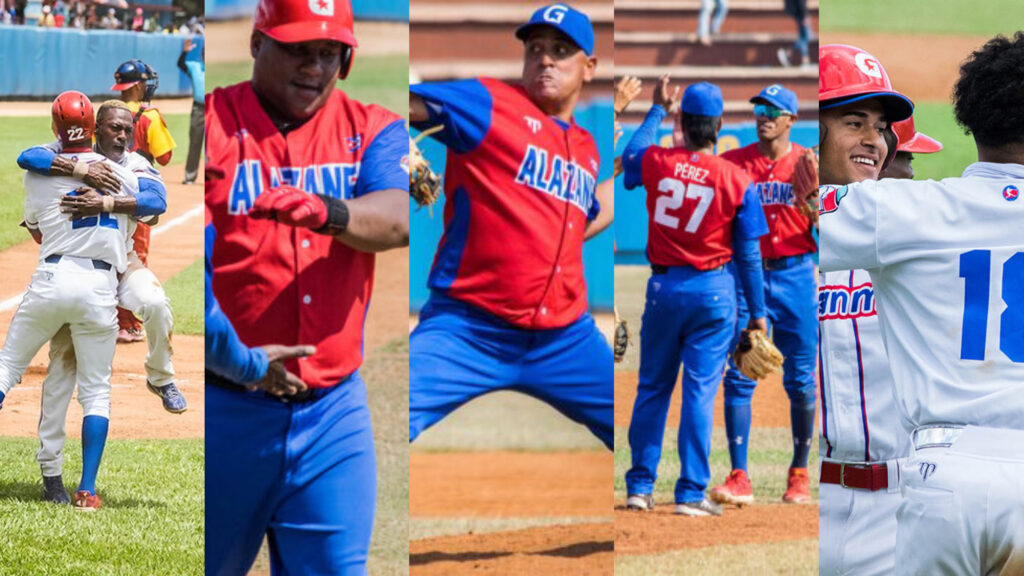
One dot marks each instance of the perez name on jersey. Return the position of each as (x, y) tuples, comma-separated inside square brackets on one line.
[(335, 180), (566, 181)]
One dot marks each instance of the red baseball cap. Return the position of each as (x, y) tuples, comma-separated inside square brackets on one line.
[(294, 21), (913, 141)]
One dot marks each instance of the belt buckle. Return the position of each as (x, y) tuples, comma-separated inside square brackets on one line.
[(842, 475)]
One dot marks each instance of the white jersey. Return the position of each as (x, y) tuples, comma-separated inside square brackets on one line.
[(102, 237), (860, 422), (947, 262)]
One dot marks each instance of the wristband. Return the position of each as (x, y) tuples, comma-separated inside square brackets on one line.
[(81, 170), (337, 216), (108, 203)]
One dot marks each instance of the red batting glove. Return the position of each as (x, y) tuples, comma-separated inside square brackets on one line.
[(291, 206)]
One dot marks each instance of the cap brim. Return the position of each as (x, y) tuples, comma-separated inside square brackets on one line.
[(311, 31), (896, 106), (123, 86), (921, 144)]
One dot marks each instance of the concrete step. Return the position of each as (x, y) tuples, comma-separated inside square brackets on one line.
[(683, 17), (668, 48), (486, 40), (513, 13)]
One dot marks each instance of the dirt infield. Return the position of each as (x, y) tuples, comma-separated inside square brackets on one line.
[(585, 549), (135, 412), (902, 58)]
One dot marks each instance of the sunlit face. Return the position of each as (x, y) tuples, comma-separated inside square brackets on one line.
[(853, 147), (554, 67), (114, 129), (295, 79), (769, 128)]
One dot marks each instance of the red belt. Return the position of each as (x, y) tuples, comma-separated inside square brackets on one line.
[(861, 476)]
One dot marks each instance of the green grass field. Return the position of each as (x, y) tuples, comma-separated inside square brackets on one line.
[(187, 299), (936, 120), (961, 17), (382, 80), (151, 522)]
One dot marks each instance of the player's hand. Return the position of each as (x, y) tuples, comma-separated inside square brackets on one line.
[(626, 91), (758, 324), (290, 206), (664, 96), (87, 202), (279, 381), (102, 177), (188, 45), (618, 133)]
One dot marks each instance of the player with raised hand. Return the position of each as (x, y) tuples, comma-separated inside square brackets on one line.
[(862, 440), (946, 259), (790, 296), (704, 213), (314, 185), (508, 304)]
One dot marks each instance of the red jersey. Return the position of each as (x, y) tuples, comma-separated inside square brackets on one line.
[(693, 200), (789, 230), (520, 188), (279, 284)]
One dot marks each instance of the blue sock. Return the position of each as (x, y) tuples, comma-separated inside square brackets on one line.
[(2, 396), (94, 438), (737, 430), (801, 417)]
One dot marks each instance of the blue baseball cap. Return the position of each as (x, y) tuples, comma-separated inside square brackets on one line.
[(779, 96), (567, 20), (702, 99)]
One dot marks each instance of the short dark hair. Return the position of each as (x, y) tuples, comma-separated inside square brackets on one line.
[(989, 96), (701, 130)]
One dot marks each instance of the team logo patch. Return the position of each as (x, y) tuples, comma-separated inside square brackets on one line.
[(405, 164), (322, 7), (927, 469), (354, 142), (868, 65), (532, 123), (1011, 193), (829, 197), (593, 165), (695, 158), (556, 13)]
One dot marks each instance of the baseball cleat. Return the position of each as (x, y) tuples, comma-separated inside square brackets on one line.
[(86, 502), (130, 335), (798, 490), (640, 502), (783, 55), (736, 490), (174, 401), (703, 507), (53, 490)]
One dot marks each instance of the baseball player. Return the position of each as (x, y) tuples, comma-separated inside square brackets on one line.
[(139, 290), (946, 259), (137, 82), (910, 142), (862, 440), (789, 280), (508, 303), (315, 184), (703, 213), (75, 284)]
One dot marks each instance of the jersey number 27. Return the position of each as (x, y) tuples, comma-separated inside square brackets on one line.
[(976, 269), (680, 191)]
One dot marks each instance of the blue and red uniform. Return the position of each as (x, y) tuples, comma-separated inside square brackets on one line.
[(791, 300), (702, 215), (508, 305), (274, 466)]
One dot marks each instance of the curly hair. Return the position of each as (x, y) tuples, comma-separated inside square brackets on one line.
[(988, 99)]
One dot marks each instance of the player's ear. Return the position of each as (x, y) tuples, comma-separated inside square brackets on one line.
[(590, 69), (255, 43)]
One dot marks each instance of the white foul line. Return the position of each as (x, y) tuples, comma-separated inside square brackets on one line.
[(14, 301)]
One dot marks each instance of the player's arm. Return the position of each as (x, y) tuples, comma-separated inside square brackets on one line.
[(848, 232), (45, 162), (151, 200), (605, 209), (643, 138), (748, 227), (462, 107)]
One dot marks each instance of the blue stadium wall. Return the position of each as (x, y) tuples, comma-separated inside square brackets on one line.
[(630, 205), (425, 231), (43, 62), (363, 9)]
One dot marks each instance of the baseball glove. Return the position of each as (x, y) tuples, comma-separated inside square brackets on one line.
[(424, 184), (805, 185), (756, 356), (621, 337)]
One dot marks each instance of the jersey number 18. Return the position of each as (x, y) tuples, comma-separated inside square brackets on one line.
[(975, 269)]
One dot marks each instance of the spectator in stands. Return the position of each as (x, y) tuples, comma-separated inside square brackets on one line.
[(138, 20), (110, 21), (19, 11), (77, 13), (195, 69), (798, 10), (6, 12), (46, 18), (92, 21), (706, 26)]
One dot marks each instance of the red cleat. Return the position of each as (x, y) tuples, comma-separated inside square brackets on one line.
[(798, 490), (736, 490)]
